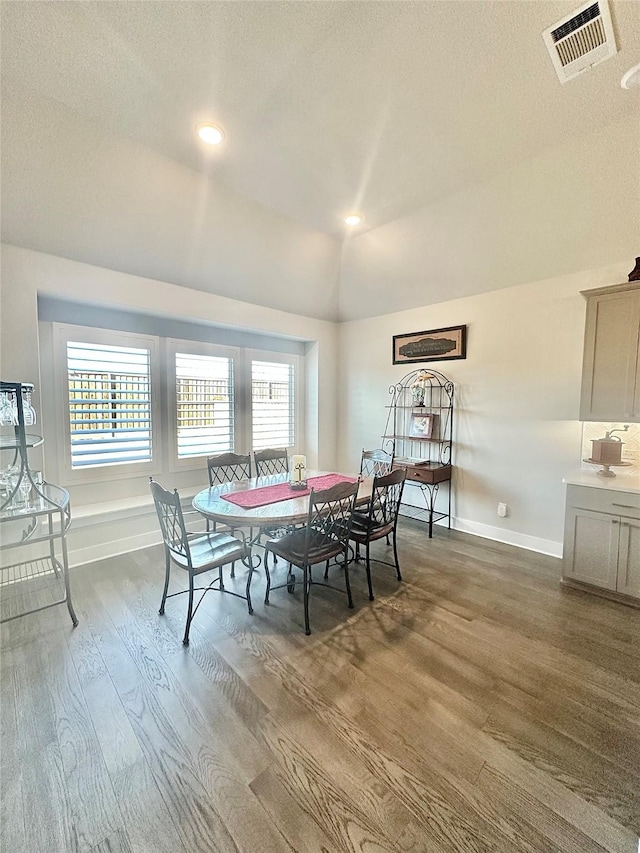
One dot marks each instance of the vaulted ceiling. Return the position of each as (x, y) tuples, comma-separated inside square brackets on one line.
[(383, 107)]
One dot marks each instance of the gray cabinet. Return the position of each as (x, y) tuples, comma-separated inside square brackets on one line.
[(611, 364), (602, 539)]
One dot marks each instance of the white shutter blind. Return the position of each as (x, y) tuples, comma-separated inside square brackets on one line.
[(204, 404), (109, 404), (272, 404)]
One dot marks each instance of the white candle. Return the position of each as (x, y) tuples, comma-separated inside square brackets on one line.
[(299, 465)]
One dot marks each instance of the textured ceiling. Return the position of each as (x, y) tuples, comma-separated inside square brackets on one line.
[(380, 106)]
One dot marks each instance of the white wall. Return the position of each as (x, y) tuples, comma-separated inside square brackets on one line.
[(517, 397), (26, 273)]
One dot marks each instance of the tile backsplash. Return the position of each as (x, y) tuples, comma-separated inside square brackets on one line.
[(630, 445)]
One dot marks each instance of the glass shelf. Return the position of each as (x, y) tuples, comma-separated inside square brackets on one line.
[(52, 499), (11, 442)]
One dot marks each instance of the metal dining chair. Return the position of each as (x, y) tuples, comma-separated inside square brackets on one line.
[(195, 553), (227, 468), (324, 537), (373, 463), (272, 460), (380, 520)]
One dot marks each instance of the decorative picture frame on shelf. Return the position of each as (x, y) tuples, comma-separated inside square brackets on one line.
[(421, 425), (435, 345)]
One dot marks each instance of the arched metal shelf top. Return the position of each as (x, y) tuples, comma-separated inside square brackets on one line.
[(432, 378)]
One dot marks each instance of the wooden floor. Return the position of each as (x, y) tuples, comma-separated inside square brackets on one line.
[(475, 707)]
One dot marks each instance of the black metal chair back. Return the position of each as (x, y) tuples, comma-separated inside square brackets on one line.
[(273, 460), (374, 463), (380, 520), (172, 526), (386, 496), (324, 537), (227, 467)]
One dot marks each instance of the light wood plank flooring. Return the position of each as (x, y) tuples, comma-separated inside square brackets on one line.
[(475, 707)]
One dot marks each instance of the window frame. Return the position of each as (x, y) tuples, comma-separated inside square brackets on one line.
[(295, 361), (63, 333), (173, 346)]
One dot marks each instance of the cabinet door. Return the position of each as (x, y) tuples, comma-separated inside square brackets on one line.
[(591, 547), (629, 557), (610, 381)]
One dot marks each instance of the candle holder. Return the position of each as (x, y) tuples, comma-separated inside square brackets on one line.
[(299, 481)]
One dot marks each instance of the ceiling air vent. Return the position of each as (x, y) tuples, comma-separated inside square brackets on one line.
[(580, 40)]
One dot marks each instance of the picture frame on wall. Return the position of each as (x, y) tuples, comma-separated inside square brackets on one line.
[(421, 425), (435, 345)]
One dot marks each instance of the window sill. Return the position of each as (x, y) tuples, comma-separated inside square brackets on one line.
[(119, 510)]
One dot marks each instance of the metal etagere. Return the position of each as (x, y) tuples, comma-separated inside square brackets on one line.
[(34, 517), (419, 435)]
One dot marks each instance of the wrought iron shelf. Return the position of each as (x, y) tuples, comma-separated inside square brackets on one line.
[(419, 429), (419, 438), (417, 409), (420, 513)]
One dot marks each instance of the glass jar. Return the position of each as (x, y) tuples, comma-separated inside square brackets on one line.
[(8, 412), (27, 407)]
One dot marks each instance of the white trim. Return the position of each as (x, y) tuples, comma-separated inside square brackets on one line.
[(101, 551), (95, 517), (509, 537)]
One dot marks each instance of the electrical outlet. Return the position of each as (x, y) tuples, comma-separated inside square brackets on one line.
[(503, 509)]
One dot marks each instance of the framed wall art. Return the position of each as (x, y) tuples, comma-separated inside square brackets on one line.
[(435, 345), (421, 426)]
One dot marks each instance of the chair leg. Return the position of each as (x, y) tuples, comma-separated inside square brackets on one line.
[(233, 570), (395, 555), (185, 641), (346, 579), (307, 589), (249, 605), (221, 578), (167, 570), (368, 567), (267, 578), (326, 571)]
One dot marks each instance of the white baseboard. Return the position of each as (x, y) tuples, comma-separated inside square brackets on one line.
[(109, 536), (508, 537)]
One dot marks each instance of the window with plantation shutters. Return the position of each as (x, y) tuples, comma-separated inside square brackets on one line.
[(272, 404), (204, 404), (131, 405), (109, 404)]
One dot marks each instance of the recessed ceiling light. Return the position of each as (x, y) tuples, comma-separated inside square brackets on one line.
[(353, 219), (210, 133), (631, 79)]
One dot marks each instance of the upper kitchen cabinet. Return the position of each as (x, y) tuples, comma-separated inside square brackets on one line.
[(611, 363)]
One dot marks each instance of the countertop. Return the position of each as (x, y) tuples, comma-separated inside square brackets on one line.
[(622, 482)]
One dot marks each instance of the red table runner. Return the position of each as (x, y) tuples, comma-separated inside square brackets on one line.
[(283, 491)]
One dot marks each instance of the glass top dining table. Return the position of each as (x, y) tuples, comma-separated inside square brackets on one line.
[(212, 504)]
